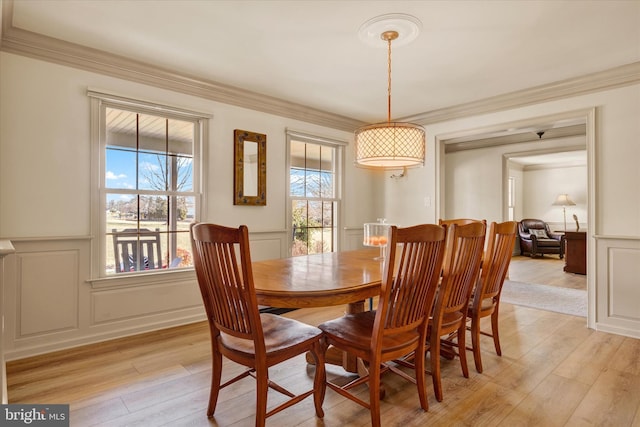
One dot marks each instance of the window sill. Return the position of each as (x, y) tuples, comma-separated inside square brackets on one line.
[(142, 279)]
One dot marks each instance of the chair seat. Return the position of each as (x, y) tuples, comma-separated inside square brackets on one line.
[(355, 331), (279, 333), (452, 318), (551, 243), (486, 304)]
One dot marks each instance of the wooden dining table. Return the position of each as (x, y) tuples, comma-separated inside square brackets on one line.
[(321, 280)]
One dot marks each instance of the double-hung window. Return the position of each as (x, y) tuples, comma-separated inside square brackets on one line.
[(148, 184), (315, 176)]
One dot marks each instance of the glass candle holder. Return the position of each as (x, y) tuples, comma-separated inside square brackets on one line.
[(376, 234)]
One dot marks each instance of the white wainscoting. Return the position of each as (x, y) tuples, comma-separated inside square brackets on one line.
[(353, 237), (268, 245), (617, 285), (51, 304)]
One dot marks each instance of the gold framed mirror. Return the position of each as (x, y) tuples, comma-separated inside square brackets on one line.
[(250, 174)]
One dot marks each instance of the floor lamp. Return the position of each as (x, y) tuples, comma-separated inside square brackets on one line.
[(564, 201)]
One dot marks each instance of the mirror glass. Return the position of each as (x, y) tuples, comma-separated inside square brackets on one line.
[(250, 168), (250, 175)]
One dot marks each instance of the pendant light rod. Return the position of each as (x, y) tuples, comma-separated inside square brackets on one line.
[(389, 36)]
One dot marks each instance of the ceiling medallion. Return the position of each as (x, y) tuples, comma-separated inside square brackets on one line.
[(408, 28)]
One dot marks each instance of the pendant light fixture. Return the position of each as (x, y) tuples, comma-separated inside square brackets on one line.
[(390, 145)]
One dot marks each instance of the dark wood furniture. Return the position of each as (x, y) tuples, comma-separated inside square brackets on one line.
[(398, 327), (576, 252), (238, 330), (537, 239)]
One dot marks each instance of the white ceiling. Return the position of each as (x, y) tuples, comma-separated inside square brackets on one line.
[(308, 52)]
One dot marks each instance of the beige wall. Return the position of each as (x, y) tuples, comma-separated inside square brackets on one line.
[(541, 188)]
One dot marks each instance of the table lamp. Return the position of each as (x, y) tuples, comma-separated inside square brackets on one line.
[(564, 201)]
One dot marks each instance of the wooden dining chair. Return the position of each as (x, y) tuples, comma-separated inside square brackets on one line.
[(239, 332), (460, 221), (465, 244), (486, 297), (398, 326)]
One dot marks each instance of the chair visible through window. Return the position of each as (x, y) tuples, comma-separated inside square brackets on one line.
[(137, 249)]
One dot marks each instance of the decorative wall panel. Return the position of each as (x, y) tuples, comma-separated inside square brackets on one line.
[(126, 303), (617, 286), (47, 292)]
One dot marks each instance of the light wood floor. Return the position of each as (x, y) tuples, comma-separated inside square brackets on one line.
[(547, 270), (553, 372)]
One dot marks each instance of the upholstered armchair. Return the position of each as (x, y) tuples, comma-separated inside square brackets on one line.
[(536, 239)]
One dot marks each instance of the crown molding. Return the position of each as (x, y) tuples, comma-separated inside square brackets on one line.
[(22, 42), (623, 75)]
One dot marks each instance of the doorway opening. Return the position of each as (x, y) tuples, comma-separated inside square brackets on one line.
[(474, 176)]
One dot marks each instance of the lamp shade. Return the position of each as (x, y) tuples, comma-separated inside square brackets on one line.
[(390, 145), (563, 200)]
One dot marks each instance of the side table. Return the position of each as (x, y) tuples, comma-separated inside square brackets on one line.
[(575, 256)]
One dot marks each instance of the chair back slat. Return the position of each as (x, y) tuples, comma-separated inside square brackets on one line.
[(226, 280), (137, 249), (465, 245), (409, 285), (501, 241)]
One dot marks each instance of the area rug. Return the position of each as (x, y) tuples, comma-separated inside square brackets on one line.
[(545, 297)]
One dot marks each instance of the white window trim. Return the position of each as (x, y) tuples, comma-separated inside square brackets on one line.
[(99, 100), (319, 140)]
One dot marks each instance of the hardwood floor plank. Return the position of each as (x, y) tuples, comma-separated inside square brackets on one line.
[(100, 412), (612, 401), (551, 403), (591, 358), (627, 358)]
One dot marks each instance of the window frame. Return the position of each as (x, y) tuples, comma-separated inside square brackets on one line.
[(339, 167), (511, 198), (100, 101)]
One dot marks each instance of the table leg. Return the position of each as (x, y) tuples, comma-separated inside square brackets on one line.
[(349, 361)]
